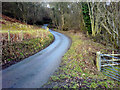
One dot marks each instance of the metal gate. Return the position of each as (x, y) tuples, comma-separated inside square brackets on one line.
[(109, 64)]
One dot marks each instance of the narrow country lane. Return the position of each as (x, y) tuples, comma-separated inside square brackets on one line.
[(35, 70)]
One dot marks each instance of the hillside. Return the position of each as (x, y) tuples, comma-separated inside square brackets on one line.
[(14, 24), (20, 40)]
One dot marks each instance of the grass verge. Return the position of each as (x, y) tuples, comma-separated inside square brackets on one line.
[(78, 66)]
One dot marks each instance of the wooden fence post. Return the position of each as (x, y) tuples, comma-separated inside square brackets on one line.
[(37, 33), (22, 34), (112, 57), (42, 34), (8, 35), (98, 61)]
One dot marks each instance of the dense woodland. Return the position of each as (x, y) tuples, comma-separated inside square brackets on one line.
[(99, 20)]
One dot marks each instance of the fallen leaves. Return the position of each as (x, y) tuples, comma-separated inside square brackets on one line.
[(77, 64)]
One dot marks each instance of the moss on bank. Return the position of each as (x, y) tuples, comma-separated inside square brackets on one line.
[(78, 68)]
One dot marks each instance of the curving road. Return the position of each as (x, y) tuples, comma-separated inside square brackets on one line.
[(35, 70)]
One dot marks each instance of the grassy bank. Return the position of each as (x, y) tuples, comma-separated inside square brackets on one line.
[(21, 41), (15, 52), (78, 66)]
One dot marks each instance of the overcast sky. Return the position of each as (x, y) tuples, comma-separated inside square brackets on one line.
[(59, 0)]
